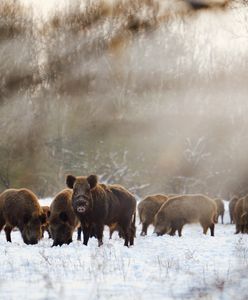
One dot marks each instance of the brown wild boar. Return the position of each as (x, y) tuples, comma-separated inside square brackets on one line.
[(232, 204), (241, 215), (220, 209), (147, 209), (62, 220), (45, 226), (185, 209), (98, 204), (21, 209)]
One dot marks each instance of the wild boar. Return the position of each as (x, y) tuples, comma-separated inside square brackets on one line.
[(241, 215), (220, 209), (147, 209), (62, 220), (20, 208), (232, 204), (185, 209), (98, 204)]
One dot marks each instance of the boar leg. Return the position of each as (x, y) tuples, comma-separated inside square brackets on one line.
[(212, 229), (237, 228), (42, 231), (99, 233), (93, 231), (49, 234), (144, 229), (111, 231), (217, 218), (222, 218), (8, 230), (132, 234), (180, 230), (2, 222), (79, 231), (126, 235), (205, 228), (120, 234), (112, 228), (173, 231), (86, 232), (177, 226), (126, 232)]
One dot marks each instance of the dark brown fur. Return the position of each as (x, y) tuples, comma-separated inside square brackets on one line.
[(241, 215), (220, 209), (185, 209), (115, 227), (92, 233), (62, 221), (99, 204), (232, 204), (21, 209), (147, 209), (112, 228), (45, 226)]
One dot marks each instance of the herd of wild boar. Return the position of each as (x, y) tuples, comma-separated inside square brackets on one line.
[(87, 205)]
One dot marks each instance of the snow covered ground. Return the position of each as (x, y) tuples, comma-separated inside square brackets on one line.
[(191, 267)]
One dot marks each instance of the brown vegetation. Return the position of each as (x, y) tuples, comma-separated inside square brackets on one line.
[(21, 209), (85, 76), (185, 209)]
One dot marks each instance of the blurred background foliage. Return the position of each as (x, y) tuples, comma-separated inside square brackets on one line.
[(148, 94)]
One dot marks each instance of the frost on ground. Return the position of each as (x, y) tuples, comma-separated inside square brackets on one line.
[(191, 267)]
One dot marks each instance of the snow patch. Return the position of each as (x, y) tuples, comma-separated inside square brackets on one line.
[(191, 267)]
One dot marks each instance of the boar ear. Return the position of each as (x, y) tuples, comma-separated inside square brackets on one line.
[(43, 218), (63, 216), (26, 218), (92, 180), (70, 181)]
